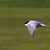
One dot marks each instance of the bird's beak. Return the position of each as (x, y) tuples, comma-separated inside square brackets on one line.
[(23, 24)]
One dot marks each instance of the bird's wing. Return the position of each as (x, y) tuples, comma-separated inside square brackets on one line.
[(31, 29)]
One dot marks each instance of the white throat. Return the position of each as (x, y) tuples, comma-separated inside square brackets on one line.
[(26, 24)]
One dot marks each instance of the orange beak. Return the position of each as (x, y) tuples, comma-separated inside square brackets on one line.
[(23, 24)]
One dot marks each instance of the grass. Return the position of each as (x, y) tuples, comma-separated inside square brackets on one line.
[(24, 3), (13, 36)]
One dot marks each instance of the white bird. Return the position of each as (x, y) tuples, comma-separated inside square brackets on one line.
[(32, 25)]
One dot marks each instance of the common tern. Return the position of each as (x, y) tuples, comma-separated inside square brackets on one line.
[(32, 25)]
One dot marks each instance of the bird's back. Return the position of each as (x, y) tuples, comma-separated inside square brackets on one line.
[(34, 23)]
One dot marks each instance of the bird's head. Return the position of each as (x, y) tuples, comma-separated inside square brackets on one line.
[(26, 23)]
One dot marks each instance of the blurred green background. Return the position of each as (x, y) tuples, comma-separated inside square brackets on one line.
[(13, 13), (25, 3)]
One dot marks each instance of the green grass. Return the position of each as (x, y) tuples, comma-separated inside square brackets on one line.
[(13, 36), (24, 3)]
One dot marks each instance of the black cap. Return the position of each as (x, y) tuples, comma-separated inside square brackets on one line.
[(26, 22)]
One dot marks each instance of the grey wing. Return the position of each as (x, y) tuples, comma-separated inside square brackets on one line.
[(31, 30)]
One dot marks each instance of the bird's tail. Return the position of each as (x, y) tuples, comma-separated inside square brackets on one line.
[(43, 25), (48, 25)]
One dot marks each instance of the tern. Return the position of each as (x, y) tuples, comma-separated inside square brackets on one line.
[(32, 25)]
